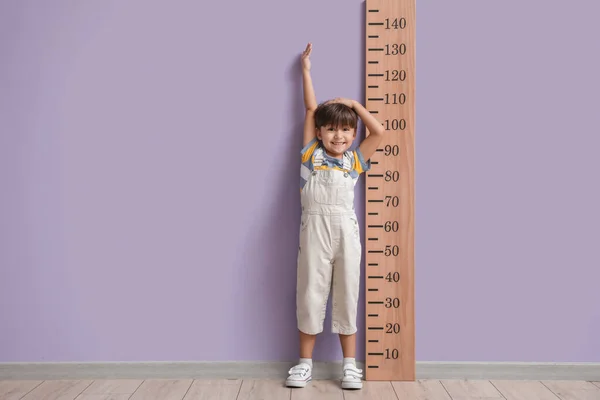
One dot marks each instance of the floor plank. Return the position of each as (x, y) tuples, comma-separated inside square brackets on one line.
[(574, 390), (218, 389), (372, 390), (264, 389), (460, 389), (14, 390), (110, 389), (319, 389), (58, 390), (162, 389), (425, 389), (103, 397), (523, 390)]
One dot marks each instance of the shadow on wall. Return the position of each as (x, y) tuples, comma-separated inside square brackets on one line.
[(267, 307)]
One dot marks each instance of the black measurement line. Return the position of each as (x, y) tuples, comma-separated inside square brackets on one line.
[(373, 36), (376, 277), (375, 175), (373, 264), (373, 188), (376, 251), (379, 150), (376, 328), (373, 10), (374, 112), (375, 201), (375, 354), (373, 366), (376, 23), (375, 74), (376, 49), (374, 341), (376, 213), (375, 99), (375, 226), (373, 315), (373, 290), (374, 87), (373, 62), (373, 238)]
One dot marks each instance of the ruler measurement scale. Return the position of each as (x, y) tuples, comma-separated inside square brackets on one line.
[(390, 82)]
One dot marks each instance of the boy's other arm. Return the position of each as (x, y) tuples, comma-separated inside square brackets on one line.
[(376, 130), (310, 100)]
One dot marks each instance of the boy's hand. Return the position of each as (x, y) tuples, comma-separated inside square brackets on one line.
[(306, 57), (347, 102)]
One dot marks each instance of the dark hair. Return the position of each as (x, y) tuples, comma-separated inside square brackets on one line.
[(336, 114)]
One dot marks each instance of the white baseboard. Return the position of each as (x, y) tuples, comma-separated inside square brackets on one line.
[(278, 370)]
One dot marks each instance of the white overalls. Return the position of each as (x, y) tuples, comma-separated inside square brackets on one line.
[(330, 251)]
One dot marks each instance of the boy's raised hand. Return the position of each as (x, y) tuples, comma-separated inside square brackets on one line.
[(348, 102), (310, 100), (306, 57)]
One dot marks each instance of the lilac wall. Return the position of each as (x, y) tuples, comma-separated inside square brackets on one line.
[(149, 177)]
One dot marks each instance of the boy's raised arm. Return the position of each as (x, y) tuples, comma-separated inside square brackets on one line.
[(369, 145), (310, 101)]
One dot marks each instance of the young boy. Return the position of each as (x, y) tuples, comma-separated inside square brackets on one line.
[(330, 249)]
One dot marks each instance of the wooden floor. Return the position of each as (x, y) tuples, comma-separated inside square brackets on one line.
[(188, 389)]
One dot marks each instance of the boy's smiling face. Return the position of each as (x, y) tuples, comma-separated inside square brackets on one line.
[(336, 140)]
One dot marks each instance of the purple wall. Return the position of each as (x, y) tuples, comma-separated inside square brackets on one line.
[(149, 163)]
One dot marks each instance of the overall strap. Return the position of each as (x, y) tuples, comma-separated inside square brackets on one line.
[(318, 157)]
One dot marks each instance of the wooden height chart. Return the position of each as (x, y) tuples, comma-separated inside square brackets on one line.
[(390, 96)]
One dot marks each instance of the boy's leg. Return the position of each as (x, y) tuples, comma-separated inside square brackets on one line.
[(301, 374), (352, 376), (346, 284), (348, 343), (307, 344), (346, 281), (314, 273)]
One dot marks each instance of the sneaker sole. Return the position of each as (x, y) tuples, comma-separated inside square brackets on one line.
[(297, 384), (351, 385)]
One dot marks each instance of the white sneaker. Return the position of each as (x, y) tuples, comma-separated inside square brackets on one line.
[(300, 375), (352, 377)]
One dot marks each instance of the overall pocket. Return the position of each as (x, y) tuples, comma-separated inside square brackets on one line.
[(326, 195), (303, 223), (354, 227)]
